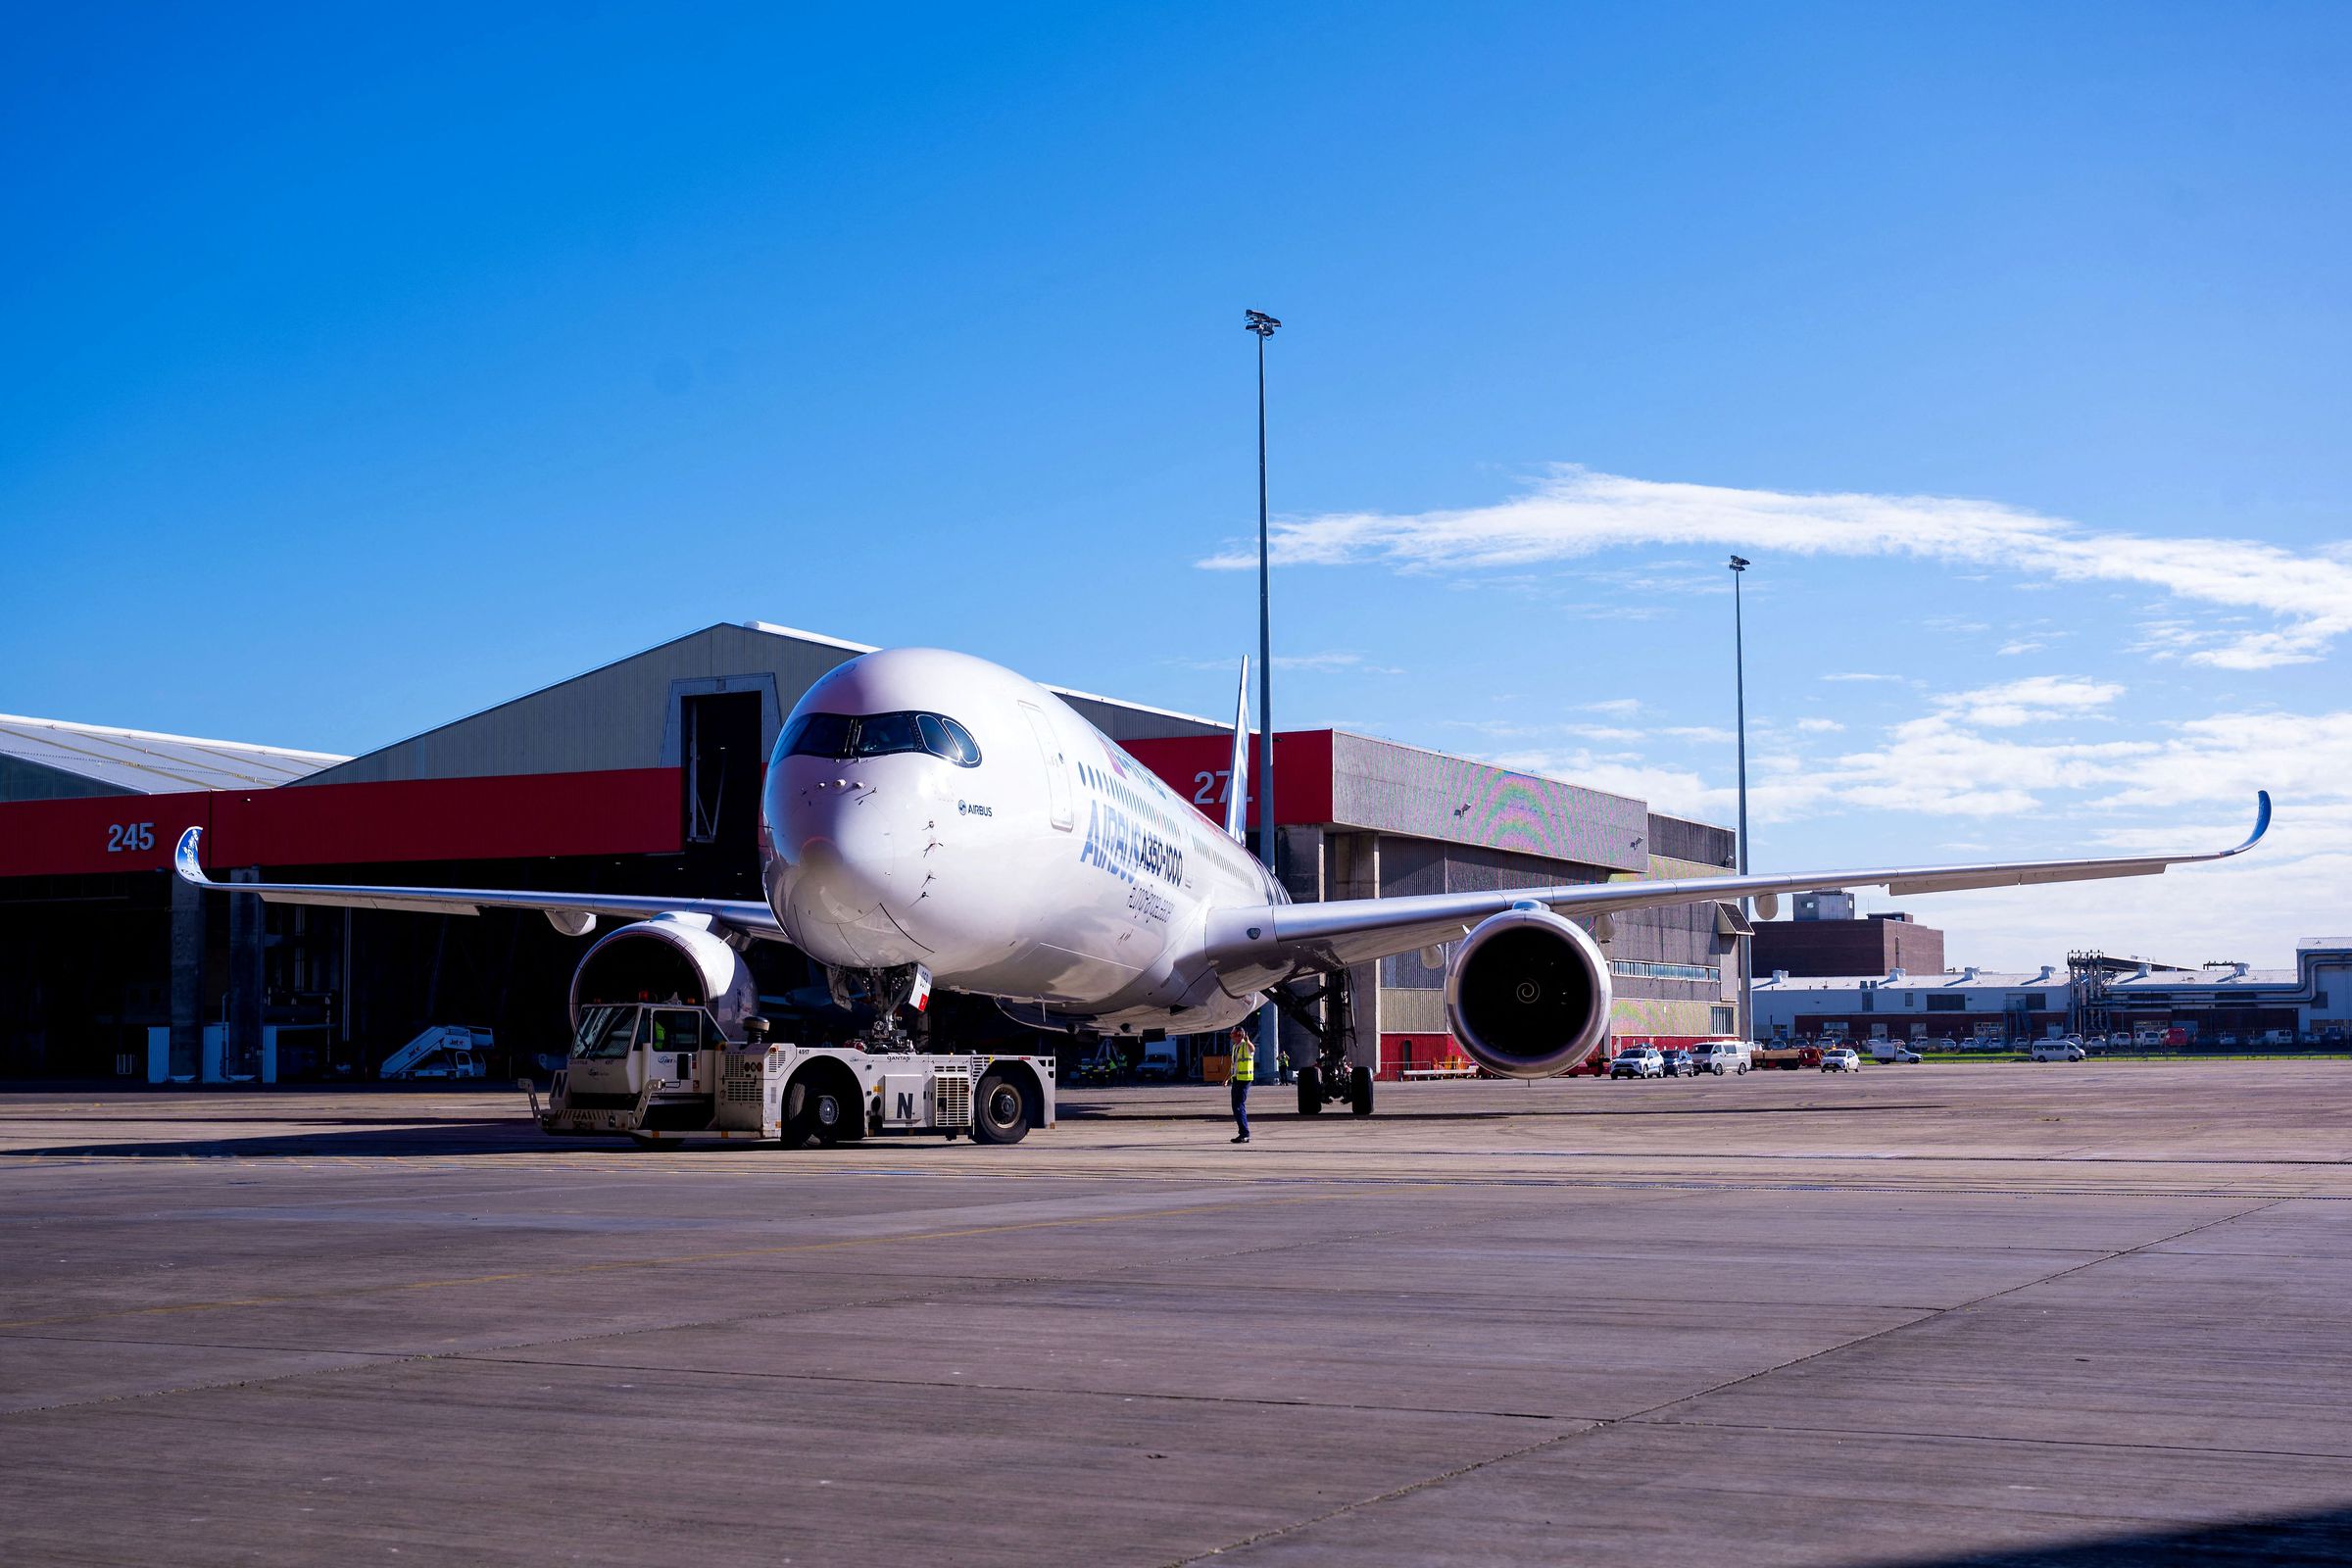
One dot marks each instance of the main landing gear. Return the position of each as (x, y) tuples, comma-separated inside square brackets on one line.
[(1332, 1078)]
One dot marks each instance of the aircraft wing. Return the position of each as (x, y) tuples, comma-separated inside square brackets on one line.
[(1351, 931), (568, 912)]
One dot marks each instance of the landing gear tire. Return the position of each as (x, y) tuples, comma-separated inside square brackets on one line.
[(1311, 1091), (1000, 1111), (1359, 1090)]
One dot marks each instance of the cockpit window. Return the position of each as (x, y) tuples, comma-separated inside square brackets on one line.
[(944, 737), (818, 735), (844, 735), (884, 734)]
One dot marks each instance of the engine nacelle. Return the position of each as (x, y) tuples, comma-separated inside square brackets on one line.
[(1527, 995), (671, 958)]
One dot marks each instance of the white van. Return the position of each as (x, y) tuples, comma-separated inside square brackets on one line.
[(1721, 1056), (1892, 1051), (2057, 1050)]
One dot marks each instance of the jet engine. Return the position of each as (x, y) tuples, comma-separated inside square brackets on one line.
[(671, 958), (1527, 995)]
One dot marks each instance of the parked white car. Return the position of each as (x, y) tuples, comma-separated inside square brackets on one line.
[(1639, 1061), (1721, 1056), (1159, 1060), (1840, 1059), (2058, 1051)]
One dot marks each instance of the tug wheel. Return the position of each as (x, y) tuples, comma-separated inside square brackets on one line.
[(999, 1111), (824, 1106)]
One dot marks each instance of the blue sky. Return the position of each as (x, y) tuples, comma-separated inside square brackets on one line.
[(373, 366)]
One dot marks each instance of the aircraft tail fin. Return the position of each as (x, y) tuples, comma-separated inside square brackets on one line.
[(1237, 779)]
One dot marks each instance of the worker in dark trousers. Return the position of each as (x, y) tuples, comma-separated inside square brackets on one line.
[(1245, 1068)]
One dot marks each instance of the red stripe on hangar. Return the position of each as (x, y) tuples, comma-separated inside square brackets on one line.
[(1196, 766), (516, 817)]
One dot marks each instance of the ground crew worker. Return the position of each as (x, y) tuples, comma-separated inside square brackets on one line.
[(1245, 1068)]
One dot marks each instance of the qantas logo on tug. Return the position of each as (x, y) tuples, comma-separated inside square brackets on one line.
[(880, 865)]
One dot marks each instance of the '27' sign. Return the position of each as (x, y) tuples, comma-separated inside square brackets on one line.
[(1213, 789)]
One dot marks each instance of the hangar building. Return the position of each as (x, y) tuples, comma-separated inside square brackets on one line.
[(2093, 993), (1824, 937), (642, 776)]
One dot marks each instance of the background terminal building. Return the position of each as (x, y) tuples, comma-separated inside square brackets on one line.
[(643, 776), (2220, 1005)]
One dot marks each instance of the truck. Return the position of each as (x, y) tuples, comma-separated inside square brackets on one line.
[(657, 1073), (1790, 1054)]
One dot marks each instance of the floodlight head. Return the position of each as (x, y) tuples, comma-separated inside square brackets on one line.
[(1739, 563), (1258, 322)]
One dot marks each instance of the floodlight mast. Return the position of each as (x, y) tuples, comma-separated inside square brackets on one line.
[(1747, 1000), (1263, 326)]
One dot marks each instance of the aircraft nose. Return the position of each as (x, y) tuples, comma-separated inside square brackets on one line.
[(846, 854)]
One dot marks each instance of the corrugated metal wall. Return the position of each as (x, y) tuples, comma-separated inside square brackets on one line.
[(1428, 795)]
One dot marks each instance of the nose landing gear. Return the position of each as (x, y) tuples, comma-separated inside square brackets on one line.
[(1334, 1077), (886, 991)]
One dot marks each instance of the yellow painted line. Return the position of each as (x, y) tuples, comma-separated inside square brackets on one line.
[(617, 1264)]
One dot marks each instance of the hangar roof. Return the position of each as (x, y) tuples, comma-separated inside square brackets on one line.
[(628, 714), (51, 759)]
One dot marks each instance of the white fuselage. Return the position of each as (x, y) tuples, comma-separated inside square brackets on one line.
[(1052, 869)]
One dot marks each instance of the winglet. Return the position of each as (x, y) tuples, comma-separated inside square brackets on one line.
[(2262, 825), (1236, 776), (184, 861)]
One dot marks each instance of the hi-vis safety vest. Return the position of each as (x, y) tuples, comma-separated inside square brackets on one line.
[(1245, 1061)]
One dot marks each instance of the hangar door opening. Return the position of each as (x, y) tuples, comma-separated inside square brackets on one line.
[(719, 733)]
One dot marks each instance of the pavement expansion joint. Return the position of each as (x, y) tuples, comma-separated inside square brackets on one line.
[(1393, 1495), (1125, 1396), (1993, 1439)]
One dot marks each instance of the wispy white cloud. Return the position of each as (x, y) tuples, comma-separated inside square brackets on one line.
[(1332, 661), (1327, 662), (2019, 645), (2186, 785), (1859, 675), (1819, 726), (1574, 511), (1614, 704), (2032, 699)]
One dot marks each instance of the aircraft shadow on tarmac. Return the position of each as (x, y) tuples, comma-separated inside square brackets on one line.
[(461, 1137), (1080, 1110), (440, 1139), (2296, 1540)]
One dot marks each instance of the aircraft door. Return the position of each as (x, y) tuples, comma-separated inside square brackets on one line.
[(1058, 766)]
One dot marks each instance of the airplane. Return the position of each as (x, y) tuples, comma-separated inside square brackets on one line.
[(931, 818)]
